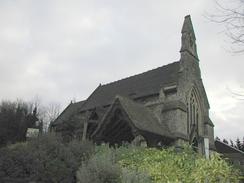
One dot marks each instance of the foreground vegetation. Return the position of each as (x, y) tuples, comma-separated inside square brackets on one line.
[(47, 159), (138, 164)]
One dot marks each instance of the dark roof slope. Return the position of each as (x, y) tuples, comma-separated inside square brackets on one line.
[(68, 112), (147, 83), (221, 147), (142, 118)]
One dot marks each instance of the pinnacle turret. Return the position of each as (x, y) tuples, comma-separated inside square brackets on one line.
[(188, 39), (188, 27)]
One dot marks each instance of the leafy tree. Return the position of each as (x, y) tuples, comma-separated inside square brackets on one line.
[(15, 118), (45, 159), (217, 138), (231, 143), (242, 145), (225, 141), (238, 144)]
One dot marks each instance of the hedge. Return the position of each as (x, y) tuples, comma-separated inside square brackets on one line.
[(138, 164)]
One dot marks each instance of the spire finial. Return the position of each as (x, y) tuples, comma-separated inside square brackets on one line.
[(188, 39)]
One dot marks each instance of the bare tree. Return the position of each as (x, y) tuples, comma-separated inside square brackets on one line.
[(52, 111), (46, 112), (230, 13)]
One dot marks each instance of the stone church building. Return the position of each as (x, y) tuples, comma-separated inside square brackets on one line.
[(161, 107)]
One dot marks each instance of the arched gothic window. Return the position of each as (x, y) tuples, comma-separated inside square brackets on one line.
[(193, 113)]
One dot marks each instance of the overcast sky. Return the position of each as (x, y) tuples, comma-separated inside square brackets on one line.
[(61, 50)]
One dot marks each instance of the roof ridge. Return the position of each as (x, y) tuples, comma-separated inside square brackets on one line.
[(139, 74), (79, 102), (65, 109), (85, 102)]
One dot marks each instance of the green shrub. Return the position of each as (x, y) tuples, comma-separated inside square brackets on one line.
[(44, 159), (16, 161), (47, 159), (133, 176), (101, 168), (145, 165), (168, 166)]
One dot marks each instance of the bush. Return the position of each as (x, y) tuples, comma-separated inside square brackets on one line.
[(145, 165), (15, 118), (168, 166), (133, 176), (44, 159), (47, 159), (16, 161), (101, 168), (104, 168)]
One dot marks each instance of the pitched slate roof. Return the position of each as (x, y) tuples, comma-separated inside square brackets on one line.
[(144, 84), (68, 112), (221, 147), (141, 117)]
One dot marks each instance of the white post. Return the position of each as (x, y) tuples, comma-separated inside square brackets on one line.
[(85, 126), (206, 147), (84, 131)]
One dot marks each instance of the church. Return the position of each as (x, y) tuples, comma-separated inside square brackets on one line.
[(166, 106)]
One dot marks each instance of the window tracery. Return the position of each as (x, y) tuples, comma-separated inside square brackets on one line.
[(193, 113)]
